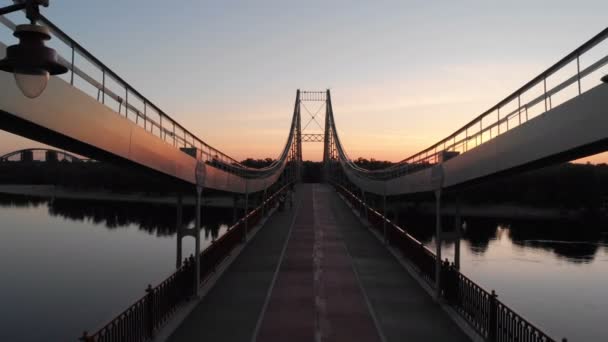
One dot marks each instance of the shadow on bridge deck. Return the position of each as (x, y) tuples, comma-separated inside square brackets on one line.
[(335, 282)]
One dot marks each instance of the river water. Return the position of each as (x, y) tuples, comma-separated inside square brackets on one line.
[(554, 274), (69, 266)]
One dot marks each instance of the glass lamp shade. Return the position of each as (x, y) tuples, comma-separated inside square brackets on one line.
[(30, 61), (32, 83)]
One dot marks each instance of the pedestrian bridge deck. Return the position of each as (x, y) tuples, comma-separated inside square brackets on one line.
[(313, 273)]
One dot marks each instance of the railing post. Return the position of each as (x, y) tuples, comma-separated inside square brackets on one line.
[(519, 107), (545, 92), (85, 337), (498, 121), (493, 316), (145, 116), (162, 131), (578, 72), (178, 227), (445, 283), (149, 321), (103, 86), (72, 74), (451, 283)]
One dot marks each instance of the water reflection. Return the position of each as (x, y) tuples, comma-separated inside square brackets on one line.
[(574, 241), (8, 201), (156, 219)]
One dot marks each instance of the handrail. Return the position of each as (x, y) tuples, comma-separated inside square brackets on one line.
[(598, 38), (167, 129), (147, 318), (474, 132), (85, 53), (487, 315)]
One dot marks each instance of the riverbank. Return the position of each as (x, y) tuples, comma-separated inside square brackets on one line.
[(52, 191), (510, 211)]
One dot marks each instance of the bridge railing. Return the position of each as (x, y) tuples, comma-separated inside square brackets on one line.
[(565, 80), (481, 309), (93, 77), (142, 320)]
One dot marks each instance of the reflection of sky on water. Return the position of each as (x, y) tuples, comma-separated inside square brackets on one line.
[(555, 275), (157, 219), (71, 265), (577, 242), (91, 259)]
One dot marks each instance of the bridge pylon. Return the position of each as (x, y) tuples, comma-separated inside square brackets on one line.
[(309, 132)]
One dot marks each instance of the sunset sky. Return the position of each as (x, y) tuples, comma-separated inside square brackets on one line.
[(403, 74)]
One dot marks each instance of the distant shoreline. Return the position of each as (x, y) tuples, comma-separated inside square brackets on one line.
[(495, 211), (510, 211), (52, 191)]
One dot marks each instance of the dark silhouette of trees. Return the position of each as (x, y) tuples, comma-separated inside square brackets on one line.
[(561, 186), (257, 163), (372, 164)]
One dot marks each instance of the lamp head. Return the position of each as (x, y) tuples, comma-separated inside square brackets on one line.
[(31, 61)]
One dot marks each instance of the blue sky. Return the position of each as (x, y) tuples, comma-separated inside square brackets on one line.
[(403, 74)]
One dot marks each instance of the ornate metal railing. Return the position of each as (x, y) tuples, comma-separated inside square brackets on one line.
[(142, 320), (482, 310)]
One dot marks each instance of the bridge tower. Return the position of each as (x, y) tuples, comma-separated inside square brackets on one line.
[(310, 131)]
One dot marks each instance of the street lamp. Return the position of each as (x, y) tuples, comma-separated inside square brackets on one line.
[(30, 61)]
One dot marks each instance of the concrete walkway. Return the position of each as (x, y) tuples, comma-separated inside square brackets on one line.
[(403, 310), (334, 282), (231, 309)]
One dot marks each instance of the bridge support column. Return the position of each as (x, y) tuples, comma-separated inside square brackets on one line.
[(197, 241), (179, 228), (438, 243), (234, 208), (458, 231)]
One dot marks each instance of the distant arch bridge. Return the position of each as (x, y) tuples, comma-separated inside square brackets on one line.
[(41, 155)]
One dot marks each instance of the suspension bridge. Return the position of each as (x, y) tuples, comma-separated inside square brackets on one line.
[(330, 266)]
